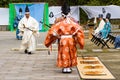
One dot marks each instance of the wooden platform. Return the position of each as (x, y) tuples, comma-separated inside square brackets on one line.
[(93, 68)]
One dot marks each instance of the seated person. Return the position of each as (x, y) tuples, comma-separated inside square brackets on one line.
[(107, 27), (117, 42), (101, 24)]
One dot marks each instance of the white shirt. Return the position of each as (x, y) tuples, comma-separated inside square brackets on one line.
[(100, 26)]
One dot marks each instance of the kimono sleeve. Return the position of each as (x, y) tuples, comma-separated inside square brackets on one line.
[(50, 38), (35, 25), (20, 25), (80, 37), (109, 27)]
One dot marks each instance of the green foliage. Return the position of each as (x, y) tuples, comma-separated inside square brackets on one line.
[(4, 3), (83, 17), (94, 3)]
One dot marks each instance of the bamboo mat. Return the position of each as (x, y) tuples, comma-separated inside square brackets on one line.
[(92, 68)]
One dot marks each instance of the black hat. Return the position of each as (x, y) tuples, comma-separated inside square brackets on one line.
[(65, 8), (100, 15), (108, 15), (20, 10), (27, 9)]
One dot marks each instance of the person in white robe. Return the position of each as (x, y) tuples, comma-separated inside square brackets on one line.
[(29, 27), (101, 24)]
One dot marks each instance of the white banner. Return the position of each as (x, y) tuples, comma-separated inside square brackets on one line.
[(94, 11), (55, 12), (4, 16)]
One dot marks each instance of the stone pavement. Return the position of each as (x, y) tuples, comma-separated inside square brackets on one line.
[(38, 66), (15, 65)]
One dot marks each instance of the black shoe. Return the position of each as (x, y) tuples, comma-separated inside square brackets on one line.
[(29, 53), (26, 51)]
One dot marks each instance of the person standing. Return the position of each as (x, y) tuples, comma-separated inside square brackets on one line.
[(16, 22), (28, 27), (68, 33)]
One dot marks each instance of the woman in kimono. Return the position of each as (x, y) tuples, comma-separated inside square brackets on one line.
[(28, 27), (68, 33), (107, 27)]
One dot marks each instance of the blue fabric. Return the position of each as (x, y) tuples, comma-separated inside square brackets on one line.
[(117, 42), (36, 11), (106, 30), (17, 19), (16, 22), (17, 36)]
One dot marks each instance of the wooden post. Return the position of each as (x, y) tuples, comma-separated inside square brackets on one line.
[(91, 28)]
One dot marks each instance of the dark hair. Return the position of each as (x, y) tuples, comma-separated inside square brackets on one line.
[(100, 16), (65, 8)]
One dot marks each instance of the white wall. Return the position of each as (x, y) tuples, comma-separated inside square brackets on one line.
[(4, 16)]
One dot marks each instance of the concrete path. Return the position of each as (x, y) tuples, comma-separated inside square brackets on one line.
[(15, 65)]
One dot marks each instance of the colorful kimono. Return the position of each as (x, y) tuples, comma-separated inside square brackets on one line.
[(68, 34), (106, 30)]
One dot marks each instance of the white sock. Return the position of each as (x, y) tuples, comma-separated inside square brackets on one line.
[(65, 70), (68, 69)]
